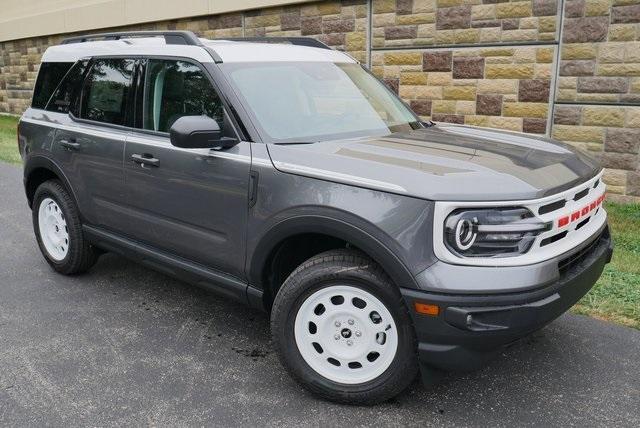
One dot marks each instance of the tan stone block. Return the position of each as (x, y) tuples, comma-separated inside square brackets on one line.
[(590, 134), (579, 51), (566, 94), (443, 106), (596, 7), (398, 58), (519, 35), (424, 6), (612, 53), (615, 177), (426, 30), (460, 93), (416, 18), (525, 109), (513, 10), (619, 70), (635, 84), (490, 34), (466, 107), (431, 92), (383, 20), (542, 71), (632, 52), (410, 68), (439, 79), (632, 119), (384, 6), (465, 82), (497, 86), (477, 121), (497, 52), (509, 123), (498, 60), (567, 82), (603, 116), (378, 71), (391, 71), (484, 11), (529, 23), (446, 37), (465, 52), (620, 190), (408, 92), (450, 3), (263, 21), (413, 78), (355, 41), (622, 32), (509, 71), (544, 55), (469, 35), (377, 58), (524, 55), (601, 98), (547, 24)]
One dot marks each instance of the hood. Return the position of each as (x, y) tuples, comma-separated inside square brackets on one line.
[(445, 163)]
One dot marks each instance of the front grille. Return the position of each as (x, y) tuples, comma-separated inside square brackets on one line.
[(575, 259)]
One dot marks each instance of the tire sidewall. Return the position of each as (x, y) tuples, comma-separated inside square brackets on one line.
[(50, 190), (284, 331)]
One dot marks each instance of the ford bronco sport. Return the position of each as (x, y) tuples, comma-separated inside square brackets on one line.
[(282, 174)]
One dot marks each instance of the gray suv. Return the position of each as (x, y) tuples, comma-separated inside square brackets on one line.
[(281, 173)]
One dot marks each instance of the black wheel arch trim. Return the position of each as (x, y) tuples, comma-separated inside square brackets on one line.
[(34, 162), (362, 239)]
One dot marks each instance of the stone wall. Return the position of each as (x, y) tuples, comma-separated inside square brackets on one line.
[(565, 68)]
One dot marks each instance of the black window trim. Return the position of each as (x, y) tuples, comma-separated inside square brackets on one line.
[(141, 59)]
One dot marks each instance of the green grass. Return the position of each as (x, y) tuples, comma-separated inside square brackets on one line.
[(616, 296), (8, 143)]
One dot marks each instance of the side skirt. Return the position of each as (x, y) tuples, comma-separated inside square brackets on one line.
[(169, 264)]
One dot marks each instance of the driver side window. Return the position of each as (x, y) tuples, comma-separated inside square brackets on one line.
[(173, 89)]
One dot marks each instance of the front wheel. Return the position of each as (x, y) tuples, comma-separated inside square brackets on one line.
[(342, 330)]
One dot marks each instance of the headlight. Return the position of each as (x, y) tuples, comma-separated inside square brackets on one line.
[(491, 232)]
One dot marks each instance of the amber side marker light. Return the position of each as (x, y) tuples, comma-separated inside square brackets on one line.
[(426, 309)]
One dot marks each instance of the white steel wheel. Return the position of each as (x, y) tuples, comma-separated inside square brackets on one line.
[(53, 229), (346, 334)]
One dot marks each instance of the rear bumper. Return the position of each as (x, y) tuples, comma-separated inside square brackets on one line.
[(469, 329)]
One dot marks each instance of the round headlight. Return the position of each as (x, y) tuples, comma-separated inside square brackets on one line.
[(465, 235)]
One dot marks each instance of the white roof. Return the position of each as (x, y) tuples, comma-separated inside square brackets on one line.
[(229, 51)]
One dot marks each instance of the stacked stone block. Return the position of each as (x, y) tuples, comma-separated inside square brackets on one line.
[(447, 22), (500, 87)]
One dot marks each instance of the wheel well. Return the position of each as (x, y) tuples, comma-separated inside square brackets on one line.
[(289, 254), (36, 178)]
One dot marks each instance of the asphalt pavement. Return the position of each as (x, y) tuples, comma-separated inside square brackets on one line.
[(124, 345)]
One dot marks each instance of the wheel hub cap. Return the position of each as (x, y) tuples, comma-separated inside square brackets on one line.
[(53, 229), (346, 334)]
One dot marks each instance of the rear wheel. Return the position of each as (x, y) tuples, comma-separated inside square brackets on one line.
[(58, 230), (341, 329)]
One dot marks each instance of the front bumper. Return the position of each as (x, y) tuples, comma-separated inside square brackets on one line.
[(470, 328)]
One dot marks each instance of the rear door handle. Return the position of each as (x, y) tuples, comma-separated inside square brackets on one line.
[(71, 144), (145, 159)]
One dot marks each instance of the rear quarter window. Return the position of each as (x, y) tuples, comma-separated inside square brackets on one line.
[(49, 77), (69, 89)]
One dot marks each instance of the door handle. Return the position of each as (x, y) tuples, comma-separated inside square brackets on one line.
[(145, 159), (71, 144)]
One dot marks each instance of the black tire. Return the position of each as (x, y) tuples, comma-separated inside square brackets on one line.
[(355, 269), (80, 254)]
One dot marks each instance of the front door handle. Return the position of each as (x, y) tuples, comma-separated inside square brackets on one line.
[(145, 159), (71, 144)]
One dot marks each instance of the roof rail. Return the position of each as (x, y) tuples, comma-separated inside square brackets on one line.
[(170, 37), (299, 41)]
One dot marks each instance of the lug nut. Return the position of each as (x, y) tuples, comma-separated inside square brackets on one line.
[(358, 334), (349, 342), (350, 322), (337, 323), (336, 336)]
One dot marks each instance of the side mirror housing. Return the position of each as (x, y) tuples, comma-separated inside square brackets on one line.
[(199, 132)]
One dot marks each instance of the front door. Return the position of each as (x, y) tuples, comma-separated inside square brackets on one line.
[(192, 203)]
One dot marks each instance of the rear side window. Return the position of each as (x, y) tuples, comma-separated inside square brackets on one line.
[(174, 89), (106, 91), (68, 89), (49, 76)]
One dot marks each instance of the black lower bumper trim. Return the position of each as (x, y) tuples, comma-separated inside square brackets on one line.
[(469, 329)]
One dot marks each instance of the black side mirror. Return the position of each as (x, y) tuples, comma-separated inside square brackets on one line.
[(199, 132)]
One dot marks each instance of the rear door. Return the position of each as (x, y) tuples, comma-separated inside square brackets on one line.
[(192, 203), (90, 145)]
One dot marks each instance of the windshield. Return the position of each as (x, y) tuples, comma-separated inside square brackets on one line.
[(297, 102)]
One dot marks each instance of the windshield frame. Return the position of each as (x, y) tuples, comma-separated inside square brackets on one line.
[(226, 68)]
